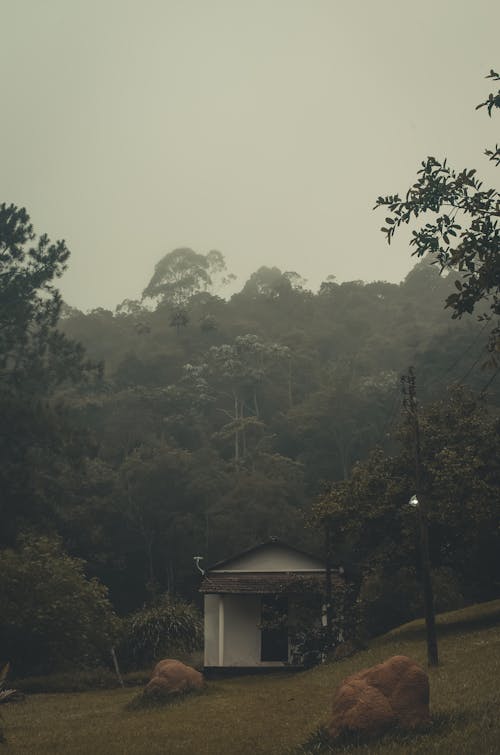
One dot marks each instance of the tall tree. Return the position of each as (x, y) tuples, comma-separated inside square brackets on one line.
[(235, 373), (376, 530), (37, 443), (34, 354), (182, 273)]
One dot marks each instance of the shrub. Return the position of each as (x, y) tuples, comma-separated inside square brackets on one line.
[(52, 617), (166, 627), (389, 600)]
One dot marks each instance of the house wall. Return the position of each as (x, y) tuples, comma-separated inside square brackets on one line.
[(272, 558), (211, 630), (242, 636), (242, 639)]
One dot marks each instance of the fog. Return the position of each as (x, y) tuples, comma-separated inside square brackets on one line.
[(265, 130)]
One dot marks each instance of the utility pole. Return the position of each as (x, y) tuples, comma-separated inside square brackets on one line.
[(418, 500), (328, 586)]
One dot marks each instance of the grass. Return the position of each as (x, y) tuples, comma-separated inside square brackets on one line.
[(282, 714), (79, 681), (98, 678)]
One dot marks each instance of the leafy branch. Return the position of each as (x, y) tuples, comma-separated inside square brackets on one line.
[(464, 235)]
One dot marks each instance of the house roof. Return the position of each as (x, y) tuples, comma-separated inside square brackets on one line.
[(263, 583), (274, 541)]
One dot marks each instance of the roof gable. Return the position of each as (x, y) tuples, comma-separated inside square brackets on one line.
[(273, 556)]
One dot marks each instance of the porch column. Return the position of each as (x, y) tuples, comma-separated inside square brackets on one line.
[(221, 630)]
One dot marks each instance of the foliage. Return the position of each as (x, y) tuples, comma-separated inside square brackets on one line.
[(375, 529), (181, 274), (52, 616), (37, 445), (160, 629), (216, 437), (157, 504), (33, 353), (464, 237), (388, 599), (213, 440)]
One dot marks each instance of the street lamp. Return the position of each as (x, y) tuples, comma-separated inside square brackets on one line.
[(430, 620)]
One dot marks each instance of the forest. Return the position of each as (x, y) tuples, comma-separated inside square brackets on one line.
[(188, 423)]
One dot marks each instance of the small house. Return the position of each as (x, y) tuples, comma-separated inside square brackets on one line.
[(250, 602)]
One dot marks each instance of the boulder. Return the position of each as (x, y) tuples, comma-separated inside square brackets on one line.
[(395, 692), (172, 677)]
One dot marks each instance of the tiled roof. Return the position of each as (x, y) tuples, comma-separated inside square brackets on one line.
[(261, 583)]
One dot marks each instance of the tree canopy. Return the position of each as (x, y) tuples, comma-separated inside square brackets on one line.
[(181, 274), (34, 354), (211, 436)]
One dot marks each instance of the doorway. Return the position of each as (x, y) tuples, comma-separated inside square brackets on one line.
[(274, 629)]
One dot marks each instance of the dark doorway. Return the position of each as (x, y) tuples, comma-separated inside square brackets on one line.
[(274, 632)]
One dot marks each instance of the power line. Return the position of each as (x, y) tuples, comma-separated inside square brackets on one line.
[(450, 368), (489, 382)]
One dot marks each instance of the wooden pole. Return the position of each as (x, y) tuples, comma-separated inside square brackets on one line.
[(328, 586), (117, 668), (430, 621), (221, 630)]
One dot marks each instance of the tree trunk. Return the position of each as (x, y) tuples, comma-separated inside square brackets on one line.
[(236, 432)]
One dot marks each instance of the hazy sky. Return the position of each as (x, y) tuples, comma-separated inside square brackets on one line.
[(261, 128)]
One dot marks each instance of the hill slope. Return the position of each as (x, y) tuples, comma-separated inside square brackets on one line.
[(280, 714)]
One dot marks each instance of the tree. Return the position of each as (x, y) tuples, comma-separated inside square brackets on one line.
[(464, 237), (52, 616), (236, 373), (375, 530), (339, 422), (160, 512), (269, 282), (34, 355), (37, 443), (182, 273)]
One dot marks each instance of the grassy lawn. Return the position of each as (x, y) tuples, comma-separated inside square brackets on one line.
[(282, 713)]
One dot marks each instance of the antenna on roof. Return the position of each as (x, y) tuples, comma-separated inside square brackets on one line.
[(197, 560)]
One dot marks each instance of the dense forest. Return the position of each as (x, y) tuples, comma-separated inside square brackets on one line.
[(185, 423)]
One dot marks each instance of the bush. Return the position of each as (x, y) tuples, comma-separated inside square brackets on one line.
[(168, 626), (391, 600), (52, 617)]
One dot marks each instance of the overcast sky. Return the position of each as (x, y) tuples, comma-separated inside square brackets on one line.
[(261, 128)]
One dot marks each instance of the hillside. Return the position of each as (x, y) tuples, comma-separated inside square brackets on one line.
[(280, 714)]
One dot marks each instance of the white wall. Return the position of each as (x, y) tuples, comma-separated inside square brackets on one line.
[(242, 639), (242, 636), (272, 558), (211, 630)]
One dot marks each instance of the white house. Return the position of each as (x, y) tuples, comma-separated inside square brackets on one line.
[(242, 592)]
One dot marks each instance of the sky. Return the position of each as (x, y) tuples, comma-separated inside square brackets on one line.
[(262, 129)]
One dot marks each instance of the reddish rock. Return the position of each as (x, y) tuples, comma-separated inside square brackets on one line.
[(393, 692), (171, 677)]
